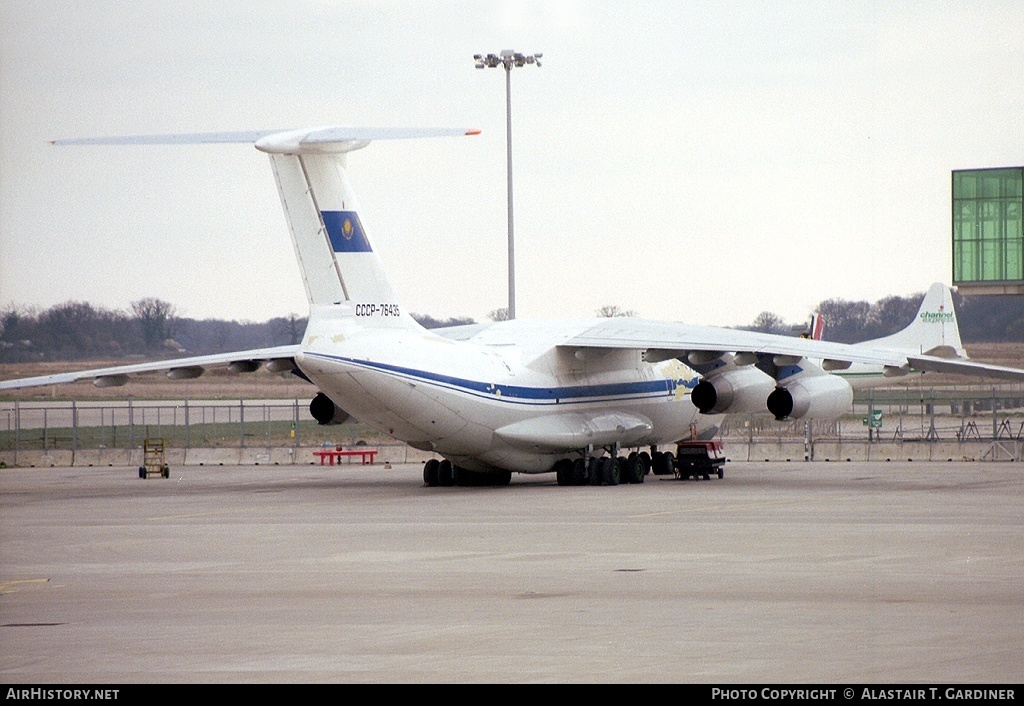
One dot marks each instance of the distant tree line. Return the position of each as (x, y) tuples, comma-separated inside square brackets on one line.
[(152, 328), (982, 319)]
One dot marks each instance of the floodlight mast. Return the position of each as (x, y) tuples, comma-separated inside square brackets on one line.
[(507, 59)]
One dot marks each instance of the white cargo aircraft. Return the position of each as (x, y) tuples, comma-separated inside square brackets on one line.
[(524, 396)]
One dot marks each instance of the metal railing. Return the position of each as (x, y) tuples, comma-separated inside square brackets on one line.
[(907, 414), (184, 424)]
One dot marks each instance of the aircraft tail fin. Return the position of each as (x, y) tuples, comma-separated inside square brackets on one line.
[(934, 330), (335, 254), (334, 250), (815, 328)]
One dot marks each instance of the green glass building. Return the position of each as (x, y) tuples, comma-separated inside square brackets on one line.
[(988, 230)]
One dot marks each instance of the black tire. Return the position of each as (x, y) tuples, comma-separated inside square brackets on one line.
[(633, 470), (167, 472), (142, 471), (430, 472), (579, 472), (610, 473), (564, 472), (594, 471), (662, 463), (446, 474), (645, 458), (499, 478)]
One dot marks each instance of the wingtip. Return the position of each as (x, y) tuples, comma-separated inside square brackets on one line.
[(473, 131)]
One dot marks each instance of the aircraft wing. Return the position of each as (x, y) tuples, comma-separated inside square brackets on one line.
[(671, 340), (960, 366), (664, 340), (277, 359)]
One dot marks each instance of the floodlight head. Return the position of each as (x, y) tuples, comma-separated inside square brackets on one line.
[(507, 58)]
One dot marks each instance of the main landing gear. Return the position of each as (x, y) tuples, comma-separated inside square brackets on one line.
[(606, 470), (445, 473), (612, 469)]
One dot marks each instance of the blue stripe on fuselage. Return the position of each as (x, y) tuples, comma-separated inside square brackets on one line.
[(518, 394)]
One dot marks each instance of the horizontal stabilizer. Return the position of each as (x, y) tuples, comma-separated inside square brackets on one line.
[(320, 140)]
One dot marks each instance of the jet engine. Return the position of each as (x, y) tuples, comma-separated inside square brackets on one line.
[(737, 390), (819, 397), (325, 411)]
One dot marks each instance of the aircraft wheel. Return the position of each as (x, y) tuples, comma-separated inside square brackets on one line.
[(610, 473), (446, 473), (142, 471), (167, 472), (430, 472), (564, 472), (594, 471), (579, 472), (645, 458), (500, 478), (633, 471), (662, 463)]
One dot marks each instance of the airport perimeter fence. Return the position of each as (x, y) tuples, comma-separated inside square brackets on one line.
[(959, 422), (260, 429), (905, 413), (947, 423)]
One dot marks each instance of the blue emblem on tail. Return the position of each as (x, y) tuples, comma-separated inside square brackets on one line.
[(345, 231)]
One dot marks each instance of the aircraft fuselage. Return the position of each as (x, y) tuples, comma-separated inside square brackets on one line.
[(472, 401)]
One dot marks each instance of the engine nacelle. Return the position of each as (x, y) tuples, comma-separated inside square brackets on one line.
[(818, 397), (737, 390), (325, 411)]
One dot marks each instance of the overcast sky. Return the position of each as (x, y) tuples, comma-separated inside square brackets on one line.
[(692, 161)]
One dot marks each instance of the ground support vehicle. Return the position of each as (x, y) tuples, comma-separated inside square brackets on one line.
[(699, 459)]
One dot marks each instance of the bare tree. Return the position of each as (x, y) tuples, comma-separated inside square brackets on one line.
[(76, 330), (156, 318), (768, 322), (610, 311), (289, 328), (847, 320), (499, 314), (19, 327)]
